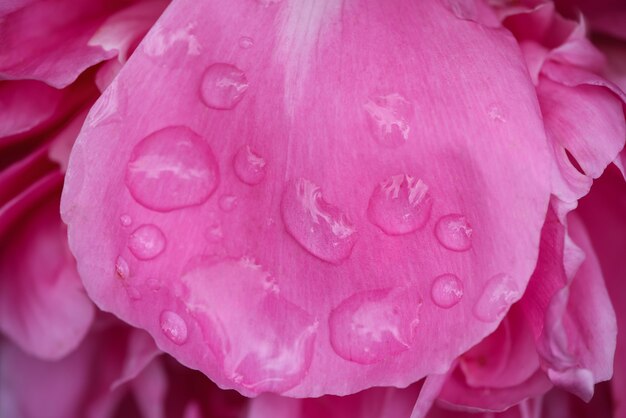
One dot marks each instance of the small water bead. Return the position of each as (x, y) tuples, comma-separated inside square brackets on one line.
[(463, 9), (245, 42), (371, 326), (400, 205), (126, 220), (227, 202), (133, 293), (389, 119), (319, 227), (121, 268), (223, 86), (499, 293), (495, 113), (454, 232), (249, 166), (174, 327), (147, 242), (446, 291), (172, 168)]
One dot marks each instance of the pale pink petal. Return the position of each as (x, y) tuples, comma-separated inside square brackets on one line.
[(263, 245)]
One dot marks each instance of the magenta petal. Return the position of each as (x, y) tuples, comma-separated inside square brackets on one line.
[(255, 266), (43, 306), (603, 214)]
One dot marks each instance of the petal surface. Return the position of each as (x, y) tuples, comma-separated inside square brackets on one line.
[(289, 201)]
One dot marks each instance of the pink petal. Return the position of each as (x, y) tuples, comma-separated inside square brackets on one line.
[(603, 214), (265, 294), (54, 41), (43, 306)]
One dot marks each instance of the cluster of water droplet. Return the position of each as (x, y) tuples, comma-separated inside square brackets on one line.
[(175, 168)]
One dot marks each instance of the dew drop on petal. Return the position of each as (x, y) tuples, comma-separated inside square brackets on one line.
[(223, 86), (446, 291), (249, 166), (463, 9), (319, 227), (389, 119), (400, 205), (133, 293), (174, 327), (227, 202), (147, 242), (121, 268), (245, 42), (498, 294), (172, 168), (126, 220), (241, 312), (374, 325), (454, 232)]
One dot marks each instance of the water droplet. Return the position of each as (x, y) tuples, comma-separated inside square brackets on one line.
[(374, 325), (400, 205), (147, 242), (223, 86), (174, 327), (249, 166), (499, 293), (495, 113), (172, 168), (454, 232), (126, 220), (463, 9), (121, 268), (263, 341), (246, 42), (319, 227), (133, 293), (214, 232), (446, 291), (389, 119), (227, 202), (178, 42)]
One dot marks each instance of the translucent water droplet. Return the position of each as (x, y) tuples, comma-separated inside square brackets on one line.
[(147, 242), (495, 113), (121, 268), (263, 341), (126, 220), (249, 166), (172, 168), (322, 229), (223, 86), (446, 291), (463, 9), (227, 202), (400, 205), (374, 325), (389, 119), (133, 293), (245, 42), (174, 327), (214, 232), (499, 293), (454, 232)]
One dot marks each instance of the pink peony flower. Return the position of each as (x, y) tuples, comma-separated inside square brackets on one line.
[(337, 209)]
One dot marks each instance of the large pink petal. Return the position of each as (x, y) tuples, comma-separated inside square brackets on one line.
[(289, 201)]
